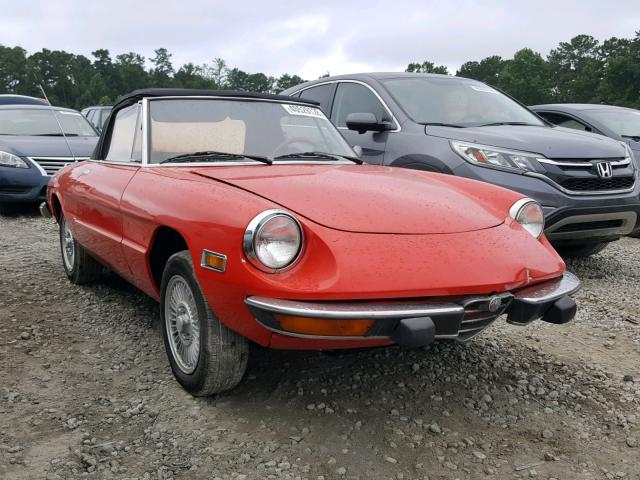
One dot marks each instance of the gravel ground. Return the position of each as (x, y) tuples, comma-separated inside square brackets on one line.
[(86, 390)]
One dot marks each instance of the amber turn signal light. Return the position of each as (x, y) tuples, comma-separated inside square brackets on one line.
[(213, 261), (324, 327)]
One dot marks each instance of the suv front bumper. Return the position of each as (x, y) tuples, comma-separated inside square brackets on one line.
[(420, 323), (569, 218)]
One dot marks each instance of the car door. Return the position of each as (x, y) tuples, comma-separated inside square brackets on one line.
[(98, 189), (353, 97)]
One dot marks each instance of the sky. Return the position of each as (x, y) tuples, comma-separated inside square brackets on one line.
[(312, 38)]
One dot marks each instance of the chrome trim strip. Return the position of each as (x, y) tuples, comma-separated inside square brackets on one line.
[(615, 163), (203, 263), (256, 224), (549, 291), (63, 161), (572, 192), (145, 132), (347, 311), (384, 104)]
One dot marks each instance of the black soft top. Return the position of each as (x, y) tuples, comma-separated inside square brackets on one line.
[(137, 95)]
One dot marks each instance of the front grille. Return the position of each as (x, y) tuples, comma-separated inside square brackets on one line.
[(598, 184), (52, 164), (479, 313), (10, 189)]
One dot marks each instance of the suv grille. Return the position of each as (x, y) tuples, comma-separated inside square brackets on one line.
[(596, 184), (52, 164)]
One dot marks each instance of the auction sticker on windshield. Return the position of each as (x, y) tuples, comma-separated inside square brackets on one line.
[(304, 111), (482, 88)]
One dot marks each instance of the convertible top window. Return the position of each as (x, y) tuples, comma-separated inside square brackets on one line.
[(239, 127)]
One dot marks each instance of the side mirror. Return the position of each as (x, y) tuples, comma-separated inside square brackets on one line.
[(358, 150), (366, 122)]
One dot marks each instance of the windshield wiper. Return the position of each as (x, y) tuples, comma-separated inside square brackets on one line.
[(330, 156), (495, 124), (55, 134), (440, 124), (632, 137), (208, 154)]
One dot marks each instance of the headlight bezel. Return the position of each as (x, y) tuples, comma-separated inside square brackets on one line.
[(19, 162), (519, 208), (459, 148), (252, 232)]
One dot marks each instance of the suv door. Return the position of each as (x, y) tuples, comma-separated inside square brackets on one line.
[(352, 97)]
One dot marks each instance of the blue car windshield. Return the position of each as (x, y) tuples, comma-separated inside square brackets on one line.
[(456, 101), (41, 122)]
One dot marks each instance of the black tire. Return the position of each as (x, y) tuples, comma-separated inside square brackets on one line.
[(222, 354), (81, 268), (581, 249)]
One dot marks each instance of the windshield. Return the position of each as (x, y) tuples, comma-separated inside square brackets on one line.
[(239, 127), (456, 101), (622, 122), (17, 121)]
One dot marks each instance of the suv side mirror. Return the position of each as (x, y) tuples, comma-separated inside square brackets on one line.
[(366, 122)]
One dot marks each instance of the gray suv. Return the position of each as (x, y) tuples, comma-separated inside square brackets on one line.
[(586, 183)]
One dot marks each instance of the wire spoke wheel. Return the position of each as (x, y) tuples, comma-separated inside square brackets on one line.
[(182, 324), (68, 246)]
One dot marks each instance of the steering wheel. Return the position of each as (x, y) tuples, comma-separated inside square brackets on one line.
[(290, 141)]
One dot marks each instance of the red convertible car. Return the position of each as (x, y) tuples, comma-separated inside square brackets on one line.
[(249, 218)]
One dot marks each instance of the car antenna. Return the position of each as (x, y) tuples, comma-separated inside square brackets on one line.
[(53, 111)]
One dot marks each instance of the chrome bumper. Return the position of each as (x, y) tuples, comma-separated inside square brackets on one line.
[(415, 324), (44, 210)]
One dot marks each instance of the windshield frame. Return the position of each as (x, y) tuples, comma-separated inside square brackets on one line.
[(146, 134), (54, 112), (388, 91)]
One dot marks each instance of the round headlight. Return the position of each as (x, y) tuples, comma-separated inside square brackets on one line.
[(273, 240), (529, 214)]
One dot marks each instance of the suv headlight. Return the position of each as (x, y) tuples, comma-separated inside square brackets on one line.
[(10, 160), (528, 213), (493, 157), (273, 241)]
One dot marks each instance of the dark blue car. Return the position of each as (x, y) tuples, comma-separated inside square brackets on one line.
[(32, 149)]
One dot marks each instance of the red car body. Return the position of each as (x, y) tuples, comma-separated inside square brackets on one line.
[(372, 236)]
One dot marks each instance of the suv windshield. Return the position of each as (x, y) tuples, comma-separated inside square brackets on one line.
[(624, 122), (24, 121), (239, 127), (456, 101)]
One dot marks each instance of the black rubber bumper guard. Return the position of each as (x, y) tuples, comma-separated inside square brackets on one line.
[(419, 324)]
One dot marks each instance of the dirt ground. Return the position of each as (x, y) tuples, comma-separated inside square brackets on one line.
[(86, 390)]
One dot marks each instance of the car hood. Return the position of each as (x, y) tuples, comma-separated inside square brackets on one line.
[(552, 142), (373, 199), (36, 146)]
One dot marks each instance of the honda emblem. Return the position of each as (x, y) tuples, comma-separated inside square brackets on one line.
[(604, 170)]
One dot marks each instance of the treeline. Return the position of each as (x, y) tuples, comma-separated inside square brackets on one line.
[(77, 81), (581, 70)]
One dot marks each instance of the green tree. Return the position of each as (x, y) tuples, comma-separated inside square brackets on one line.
[(13, 69), (525, 77), (486, 70), (576, 69), (162, 70), (286, 81), (427, 67)]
